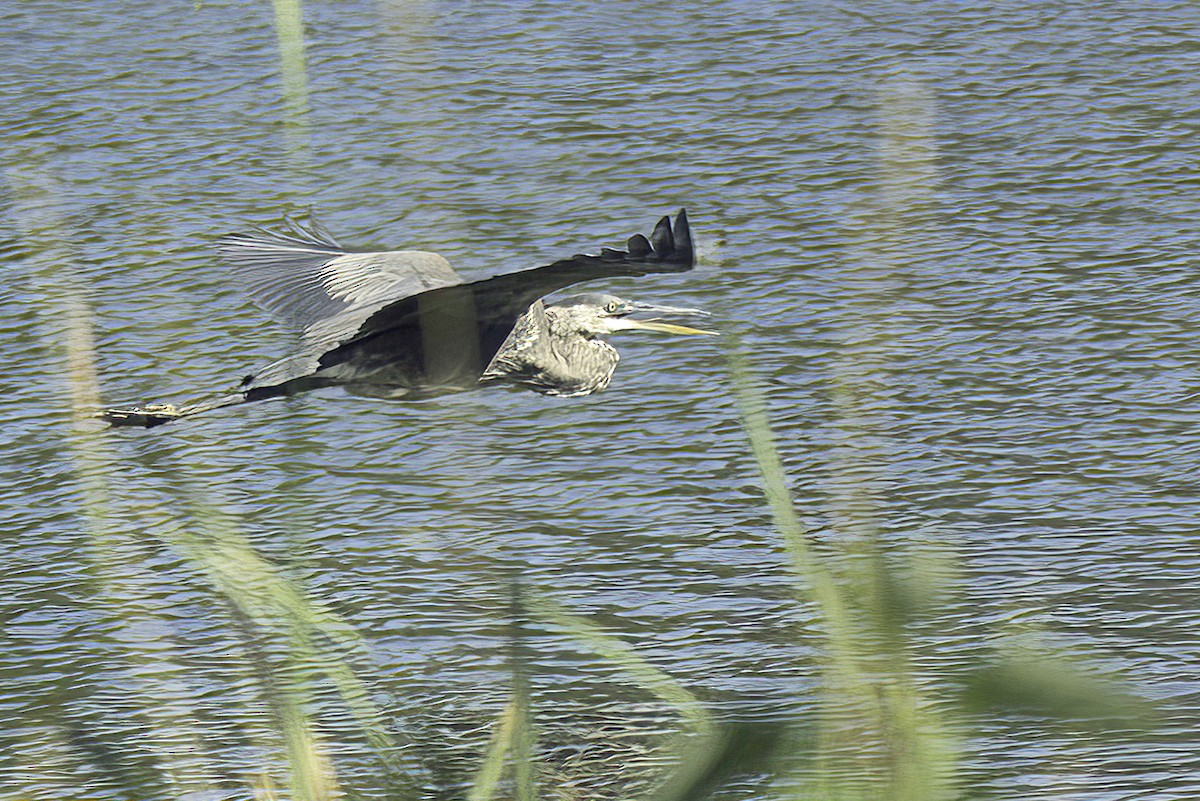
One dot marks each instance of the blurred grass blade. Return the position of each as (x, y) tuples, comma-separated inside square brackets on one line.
[(514, 735), (483, 788), (805, 562), (736, 750), (312, 774), (319, 638), (875, 727), (289, 29), (1053, 687), (524, 735), (159, 694), (625, 657)]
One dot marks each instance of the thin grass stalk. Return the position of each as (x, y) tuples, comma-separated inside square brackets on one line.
[(843, 635), (158, 680), (862, 703), (293, 70), (487, 778), (524, 735), (310, 774), (918, 749), (273, 603), (624, 656)]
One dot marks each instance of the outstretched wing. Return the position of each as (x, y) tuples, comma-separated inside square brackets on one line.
[(486, 310), (305, 278), (668, 250)]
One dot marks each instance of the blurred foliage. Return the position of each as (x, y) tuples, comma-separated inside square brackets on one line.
[(879, 727), (626, 658), (737, 749), (883, 729), (1038, 681)]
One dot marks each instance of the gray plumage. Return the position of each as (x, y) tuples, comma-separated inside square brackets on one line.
[(551, 351), (405, 324), (305, 278)]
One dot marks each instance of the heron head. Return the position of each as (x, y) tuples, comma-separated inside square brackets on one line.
[(597, 314)]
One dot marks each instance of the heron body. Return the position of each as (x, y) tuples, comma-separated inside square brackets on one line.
[(551, 351), (404, 324)]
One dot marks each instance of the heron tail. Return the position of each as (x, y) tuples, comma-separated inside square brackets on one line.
[(155, 414)]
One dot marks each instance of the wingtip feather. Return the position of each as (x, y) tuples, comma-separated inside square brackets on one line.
[(683, 238), (662, 239)]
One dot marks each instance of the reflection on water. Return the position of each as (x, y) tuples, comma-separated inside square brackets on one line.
[(955, 247)]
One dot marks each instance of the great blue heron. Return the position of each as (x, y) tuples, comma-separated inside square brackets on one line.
[(405, 324)]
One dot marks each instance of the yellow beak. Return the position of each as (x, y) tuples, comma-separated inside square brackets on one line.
[(666, 328)]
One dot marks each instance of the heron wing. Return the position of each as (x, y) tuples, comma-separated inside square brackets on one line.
[(498, 301), (304, 277), (667, 250), (502, 298)]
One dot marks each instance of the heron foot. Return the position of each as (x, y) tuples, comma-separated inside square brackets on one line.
[(148, 416)]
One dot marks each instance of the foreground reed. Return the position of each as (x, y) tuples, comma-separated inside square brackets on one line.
[(878, 727)]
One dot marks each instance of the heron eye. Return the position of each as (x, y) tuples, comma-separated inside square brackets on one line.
[(613, 307)]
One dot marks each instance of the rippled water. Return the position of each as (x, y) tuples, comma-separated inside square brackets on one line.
[(957, 243)]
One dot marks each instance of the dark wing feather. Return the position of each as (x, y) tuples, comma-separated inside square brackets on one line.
[(666, 251), (487, 309)]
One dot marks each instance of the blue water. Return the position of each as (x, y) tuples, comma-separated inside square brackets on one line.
[(955, 242)]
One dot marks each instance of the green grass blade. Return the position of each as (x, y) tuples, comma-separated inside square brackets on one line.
[(735, 750), (483, 788), (624, 656)]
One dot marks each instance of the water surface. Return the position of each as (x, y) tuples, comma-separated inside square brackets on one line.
[(957, 246)]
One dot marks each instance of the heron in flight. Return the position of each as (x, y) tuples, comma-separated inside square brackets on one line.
[(404, 324)]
